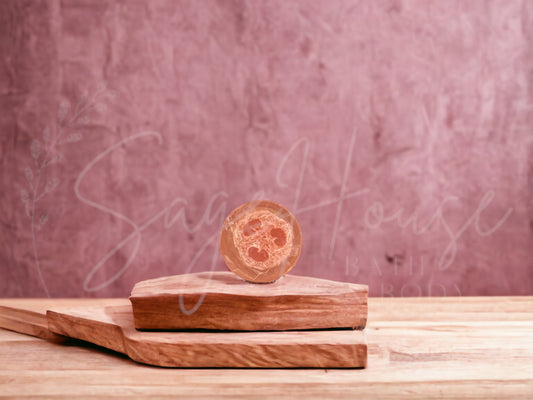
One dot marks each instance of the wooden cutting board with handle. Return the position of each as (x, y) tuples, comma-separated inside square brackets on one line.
[(112, 326)]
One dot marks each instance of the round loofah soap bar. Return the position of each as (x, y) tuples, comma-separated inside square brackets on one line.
[(260, 241)]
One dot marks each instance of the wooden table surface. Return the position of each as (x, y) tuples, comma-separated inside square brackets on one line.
[(467, 347)]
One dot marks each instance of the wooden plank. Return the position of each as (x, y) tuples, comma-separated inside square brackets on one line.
[(28, 316), (470, 348), (26, 321), (221, 300), (112, 327)]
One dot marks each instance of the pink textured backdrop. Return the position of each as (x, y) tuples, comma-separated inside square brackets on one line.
[(398, 132)]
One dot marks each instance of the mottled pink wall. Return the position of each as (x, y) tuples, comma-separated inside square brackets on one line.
[(356, 115)]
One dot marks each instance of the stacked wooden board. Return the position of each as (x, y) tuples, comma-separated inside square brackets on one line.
[(218, 320)]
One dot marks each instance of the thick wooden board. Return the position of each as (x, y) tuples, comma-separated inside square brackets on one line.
[(418, 348), (221, 300), (112, 327)]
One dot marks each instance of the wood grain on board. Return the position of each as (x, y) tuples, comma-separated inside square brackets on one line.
[(26, 321), (221, 300), (418, 348), (112, 327)]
